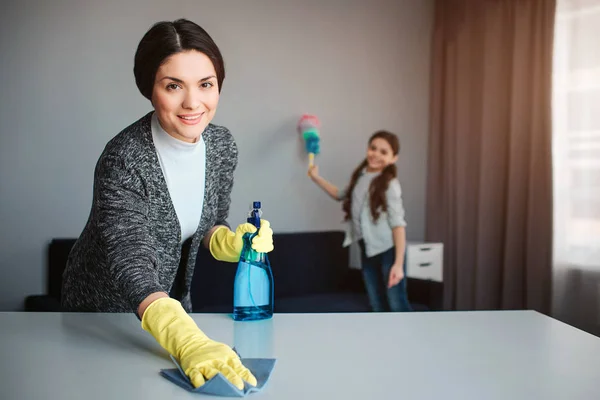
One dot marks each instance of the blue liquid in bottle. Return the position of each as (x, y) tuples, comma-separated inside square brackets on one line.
[(253, 286)]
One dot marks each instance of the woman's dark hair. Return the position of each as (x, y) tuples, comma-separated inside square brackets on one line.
[(165, 39), (379, 185)]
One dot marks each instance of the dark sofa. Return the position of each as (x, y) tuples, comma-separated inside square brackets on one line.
[(310, 270)]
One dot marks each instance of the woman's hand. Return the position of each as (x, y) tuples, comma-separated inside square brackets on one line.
[(225, 245), (200, 357), (396, 275)]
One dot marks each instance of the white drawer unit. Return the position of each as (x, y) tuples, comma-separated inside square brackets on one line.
[(425, 261)]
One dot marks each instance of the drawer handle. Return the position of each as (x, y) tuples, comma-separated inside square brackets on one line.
[(425, 248), (424, 264)]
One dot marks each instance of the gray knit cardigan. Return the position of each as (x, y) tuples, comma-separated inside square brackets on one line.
[(131, 244)]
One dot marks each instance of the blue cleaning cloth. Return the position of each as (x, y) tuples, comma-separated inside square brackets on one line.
[(261, 368)]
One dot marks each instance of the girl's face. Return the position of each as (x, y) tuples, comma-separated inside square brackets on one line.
[(380, 155), (185, 95)]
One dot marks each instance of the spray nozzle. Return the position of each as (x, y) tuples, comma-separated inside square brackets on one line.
[(255, 214)]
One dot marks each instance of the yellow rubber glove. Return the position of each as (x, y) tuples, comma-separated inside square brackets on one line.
[(226, 245), (200, 357)]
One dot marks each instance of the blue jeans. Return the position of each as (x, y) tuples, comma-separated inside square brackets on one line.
[(376, 273)]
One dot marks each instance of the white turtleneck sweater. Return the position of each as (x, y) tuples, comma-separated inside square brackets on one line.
[(183, 165)]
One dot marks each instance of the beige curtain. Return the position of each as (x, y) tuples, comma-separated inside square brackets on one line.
[(489, 193)]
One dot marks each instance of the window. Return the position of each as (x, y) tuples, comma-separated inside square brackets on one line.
[(576, 134)]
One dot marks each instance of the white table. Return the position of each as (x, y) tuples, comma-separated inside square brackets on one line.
[(447, 355)]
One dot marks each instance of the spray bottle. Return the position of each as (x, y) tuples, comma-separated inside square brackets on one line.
[(253, 294)]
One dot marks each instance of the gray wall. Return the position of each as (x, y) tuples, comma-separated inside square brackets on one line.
[(68, 87)]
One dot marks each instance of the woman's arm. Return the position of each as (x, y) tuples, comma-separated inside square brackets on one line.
[(223, 243), (324, 184), (121, 209), (208, 236), (226, 172), (147, 301), (227, 169)]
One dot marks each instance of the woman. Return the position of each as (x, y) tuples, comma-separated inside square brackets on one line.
[(161, 187)]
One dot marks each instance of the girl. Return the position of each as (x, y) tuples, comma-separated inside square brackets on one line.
[(373, 206)]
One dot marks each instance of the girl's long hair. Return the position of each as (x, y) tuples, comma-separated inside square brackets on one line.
[(379, 185)]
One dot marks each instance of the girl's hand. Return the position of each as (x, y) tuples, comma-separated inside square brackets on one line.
[(313, 172), (396, 275)]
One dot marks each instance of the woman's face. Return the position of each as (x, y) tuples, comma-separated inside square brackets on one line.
[(185, 95), (379, 155)]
